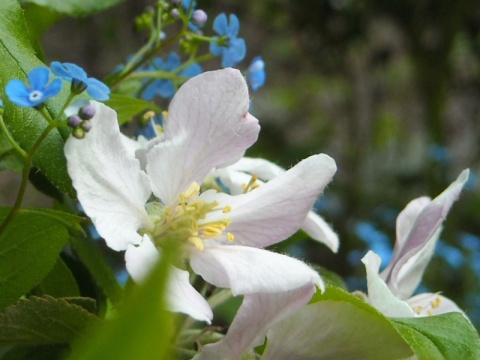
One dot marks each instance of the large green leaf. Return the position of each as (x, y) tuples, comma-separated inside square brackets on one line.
[(143, 329), (59, 282), (75, 7), (336, 325), (43, 320), (442, 337), (10, 159), (29, 248), (25, 124)]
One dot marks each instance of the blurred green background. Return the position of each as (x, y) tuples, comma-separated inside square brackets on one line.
[(389, 89)]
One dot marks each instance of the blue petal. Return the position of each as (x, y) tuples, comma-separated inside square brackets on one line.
[(97, 89), (68, 71), (256, 73), (157, 64), (151, 90), (38, 78), (235, 53), (52, 89), (215, 49), (192, 70), (173, 62), (234, 26), (166, 89), (18, 93), (220, 24)]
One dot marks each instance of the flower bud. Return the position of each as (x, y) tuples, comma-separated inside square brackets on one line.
[(86, 125), (199, 17), (77, 86), (175, 13), (74, 121), (78, 132), (87, 112)]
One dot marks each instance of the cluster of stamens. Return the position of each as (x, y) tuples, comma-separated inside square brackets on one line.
[(184, 221), (434, 304)]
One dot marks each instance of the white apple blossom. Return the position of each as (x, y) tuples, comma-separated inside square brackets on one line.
[(255, 172), (418, 228), (140, 202)]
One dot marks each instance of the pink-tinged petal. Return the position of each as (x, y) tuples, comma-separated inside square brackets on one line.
[(109, 183), (249, 270), (379, 295), (181, 296), (425, 228), (430, 304), (277, 209), (256, 315), (210, 115), (235, 176), (319, 230)]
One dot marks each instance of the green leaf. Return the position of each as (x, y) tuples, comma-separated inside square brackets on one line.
[(127, 107), (76, 7), (59, 282), (25, 124), (143, 329), (41, 352), (442, 337), (336, 325), (10, 159), (29, 248), (43, 320), (101, 272)]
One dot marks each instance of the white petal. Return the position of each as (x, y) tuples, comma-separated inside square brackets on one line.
[(249, 270), (210, 115), (319, 230), (181, 295), (428, 304), (110, 185), (379, 295), (264, 169), (257, 313), (276, 210)]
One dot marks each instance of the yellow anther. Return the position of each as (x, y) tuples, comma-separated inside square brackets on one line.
[(214, 230), (436, 303), (149, 115), (197, 242), (192, 191), (430, 313), (227, 209), (230, 237), (165, 114), (158, 129), (418, 309), (252, 184)]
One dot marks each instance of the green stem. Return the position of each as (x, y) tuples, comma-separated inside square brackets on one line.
[(26, 170), (10, 139)]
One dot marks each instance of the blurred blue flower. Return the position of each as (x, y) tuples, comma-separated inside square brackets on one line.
[(377, 241), (256, 73), (150, 129), (438, 153), (470, 242), (80, 81), (38, 91), (452, 255), (235, 50), (164, 87)]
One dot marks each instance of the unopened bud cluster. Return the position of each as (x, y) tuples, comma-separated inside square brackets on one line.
[(80, 122)]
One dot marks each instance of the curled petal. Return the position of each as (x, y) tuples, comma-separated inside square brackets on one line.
[(109, 182), (319, 230), (247, 270)]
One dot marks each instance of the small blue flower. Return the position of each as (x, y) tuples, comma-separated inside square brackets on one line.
[(235, 50), (164, 87), (256, 73), (78, 77), (39, 89)]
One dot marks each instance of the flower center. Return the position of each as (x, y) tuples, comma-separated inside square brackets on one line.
[(35, 95), (187, 220)]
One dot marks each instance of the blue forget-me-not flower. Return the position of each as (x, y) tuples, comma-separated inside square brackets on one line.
[(256, 73), (164, 87), (234, 51), (80, 81), (38, 91)]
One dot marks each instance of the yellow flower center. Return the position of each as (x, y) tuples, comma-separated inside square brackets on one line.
[(186, 221)]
